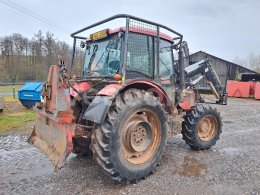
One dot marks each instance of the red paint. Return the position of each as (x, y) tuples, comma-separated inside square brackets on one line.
[(165, 81), (185, 105), (66, 116), (69, 130), (109, 90), (112, 89), (53, 76), (80, 87), (257, 91), (238, 89), (252, 88), (140, 31), (151, 87), (70, 134), (144, 31)]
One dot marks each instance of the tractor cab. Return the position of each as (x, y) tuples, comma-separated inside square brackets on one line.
[(104, 54), (139, 50)]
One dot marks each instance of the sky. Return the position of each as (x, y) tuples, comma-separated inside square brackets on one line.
[(224, 28)]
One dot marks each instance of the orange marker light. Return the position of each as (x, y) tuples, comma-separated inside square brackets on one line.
[(117, 77)]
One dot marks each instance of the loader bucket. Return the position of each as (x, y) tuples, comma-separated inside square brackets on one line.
[(52, 137)]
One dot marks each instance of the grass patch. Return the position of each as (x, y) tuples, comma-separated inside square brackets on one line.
[(10, 98), (9, 88), (15, 116), (10, 122)]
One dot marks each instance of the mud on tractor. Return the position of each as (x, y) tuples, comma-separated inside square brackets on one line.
[(132, 93)]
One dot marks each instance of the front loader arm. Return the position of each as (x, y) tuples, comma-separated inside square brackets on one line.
[(204, 69)]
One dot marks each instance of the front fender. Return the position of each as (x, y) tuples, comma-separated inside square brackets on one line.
[(97, 110)]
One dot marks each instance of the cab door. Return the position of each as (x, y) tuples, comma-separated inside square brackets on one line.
[(166, 69)]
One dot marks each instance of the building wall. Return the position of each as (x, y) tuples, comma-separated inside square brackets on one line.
[(224, 69)]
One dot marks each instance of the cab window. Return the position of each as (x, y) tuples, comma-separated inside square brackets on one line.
[(140, 55), (165, 60)]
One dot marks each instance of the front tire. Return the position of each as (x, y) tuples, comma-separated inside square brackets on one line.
[(201, 127), (129, 144)]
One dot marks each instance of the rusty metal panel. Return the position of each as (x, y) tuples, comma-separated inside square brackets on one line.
[(63, 99), (97, 110), (53, 138)]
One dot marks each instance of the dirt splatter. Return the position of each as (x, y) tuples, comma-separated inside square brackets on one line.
[(191, 167)]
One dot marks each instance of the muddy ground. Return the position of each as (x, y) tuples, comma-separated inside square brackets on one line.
[(230, 167)]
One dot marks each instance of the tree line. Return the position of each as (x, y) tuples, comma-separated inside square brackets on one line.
[(252, 61), (24, 59)]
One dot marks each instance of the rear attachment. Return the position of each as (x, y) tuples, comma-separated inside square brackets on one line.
[(53, 130), (53, 138)]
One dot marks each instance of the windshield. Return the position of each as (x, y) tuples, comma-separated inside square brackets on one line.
[(102, 57)]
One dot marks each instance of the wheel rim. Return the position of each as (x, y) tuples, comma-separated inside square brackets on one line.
[(207, 128), (141, 136)]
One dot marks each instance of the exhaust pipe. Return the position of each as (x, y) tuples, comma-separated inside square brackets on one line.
[(183, 62)]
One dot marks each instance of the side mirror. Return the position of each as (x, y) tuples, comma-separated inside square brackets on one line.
[(82, 44)]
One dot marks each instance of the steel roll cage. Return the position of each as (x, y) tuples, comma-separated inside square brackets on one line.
[(125, 40), (124, 16)]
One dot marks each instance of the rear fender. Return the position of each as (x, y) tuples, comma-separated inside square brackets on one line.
[(156, 89), (97, 110)]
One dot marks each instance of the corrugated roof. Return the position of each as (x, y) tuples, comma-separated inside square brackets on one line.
[(222, 60)]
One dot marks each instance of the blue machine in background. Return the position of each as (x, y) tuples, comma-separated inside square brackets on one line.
[(30, 93)]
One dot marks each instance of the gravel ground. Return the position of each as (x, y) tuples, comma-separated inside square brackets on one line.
[(230, 167)]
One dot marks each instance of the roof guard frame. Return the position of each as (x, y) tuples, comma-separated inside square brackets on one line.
[(75, 34), (128, 17)]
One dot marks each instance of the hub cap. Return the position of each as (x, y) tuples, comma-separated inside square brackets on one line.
[(141, 136), (207, 128)]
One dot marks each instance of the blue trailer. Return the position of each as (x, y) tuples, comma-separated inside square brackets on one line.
[(30, 93)]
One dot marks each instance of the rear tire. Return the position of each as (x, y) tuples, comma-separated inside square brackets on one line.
[(129, 144), (201, 127)]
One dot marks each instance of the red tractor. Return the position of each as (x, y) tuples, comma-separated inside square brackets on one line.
[(132, 93)]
